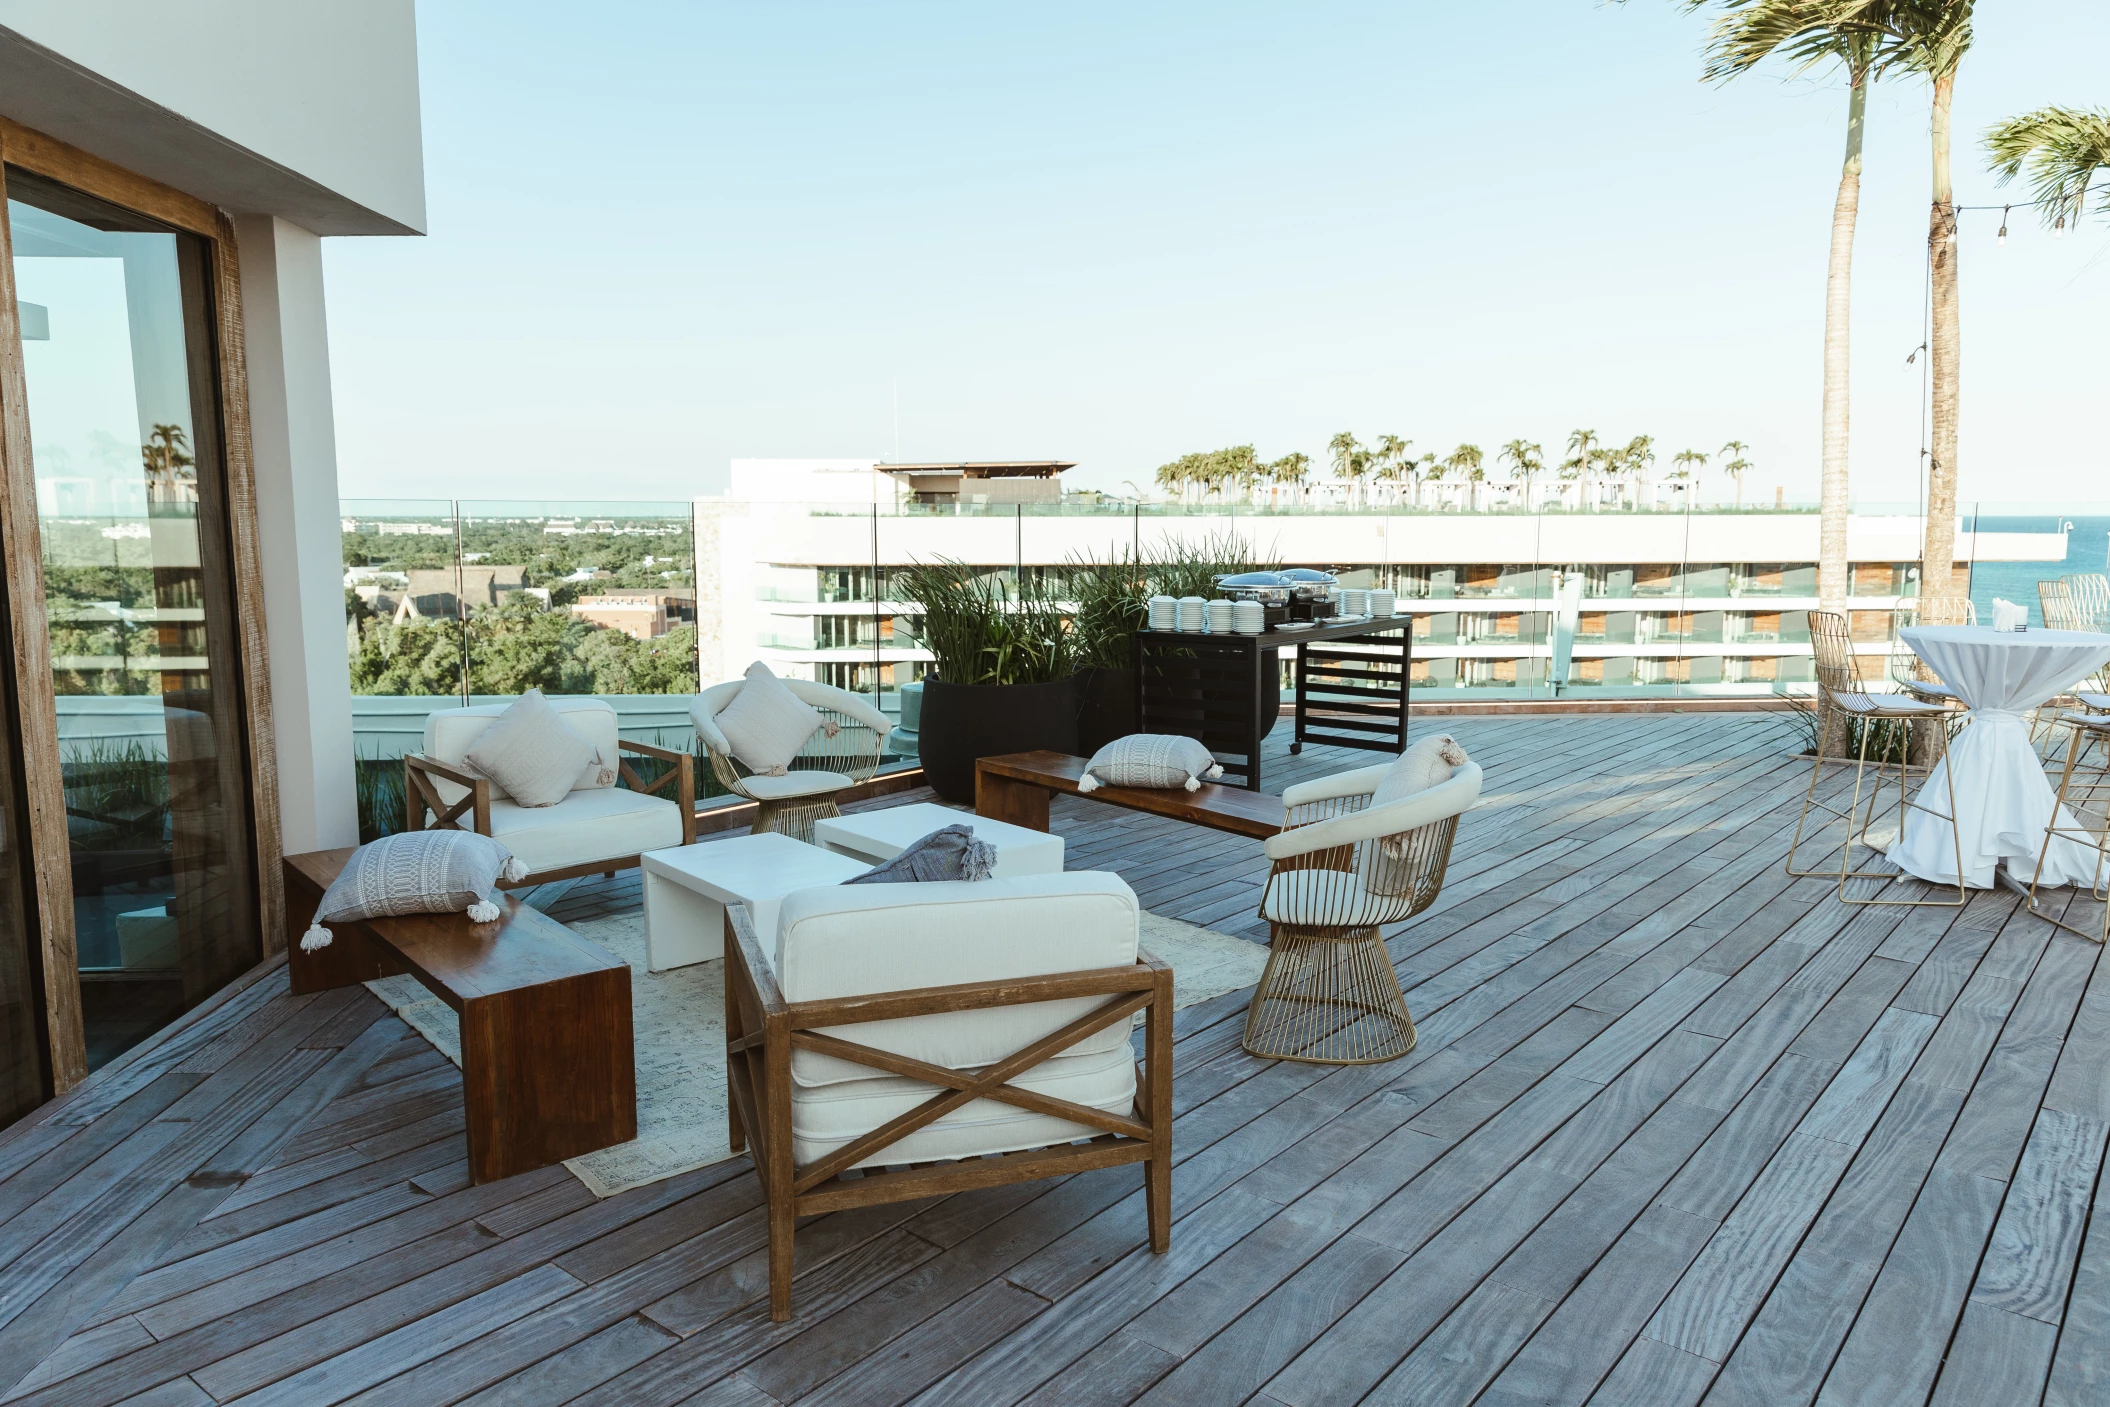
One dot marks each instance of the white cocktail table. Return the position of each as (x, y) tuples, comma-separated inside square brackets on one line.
[(688, 887), (878, 836)]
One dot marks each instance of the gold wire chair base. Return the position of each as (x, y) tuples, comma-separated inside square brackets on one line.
[(795, 816), (1896, 773), (1329, 997), (2084, 795)]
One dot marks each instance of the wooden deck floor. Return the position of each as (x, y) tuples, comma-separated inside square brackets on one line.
[(1679, 1128)]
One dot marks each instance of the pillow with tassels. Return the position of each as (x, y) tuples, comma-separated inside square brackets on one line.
[(1150, 760), (417, 872)]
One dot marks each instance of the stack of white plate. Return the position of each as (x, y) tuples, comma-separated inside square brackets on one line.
[(1164, 612), (1219, 617), (1384, 602), (1248, 617), (1192, 612), (1354, 602)]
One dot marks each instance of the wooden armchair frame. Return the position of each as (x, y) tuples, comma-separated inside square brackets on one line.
[(421, 796), (762, 1029)]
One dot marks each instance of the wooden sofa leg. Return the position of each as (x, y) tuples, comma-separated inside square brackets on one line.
[(1157, 1172), (781, 1225)]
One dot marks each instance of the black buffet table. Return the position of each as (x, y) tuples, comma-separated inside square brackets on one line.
[(1223, 690)]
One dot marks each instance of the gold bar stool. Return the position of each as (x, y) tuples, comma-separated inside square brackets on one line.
[(1848, 707), (2084, 794), (1907, 670), (1341, 869)]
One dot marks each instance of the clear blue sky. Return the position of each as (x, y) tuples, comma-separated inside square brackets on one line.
[(667, 235)]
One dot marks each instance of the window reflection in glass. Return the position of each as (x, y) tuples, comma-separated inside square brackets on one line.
[(123, 414)]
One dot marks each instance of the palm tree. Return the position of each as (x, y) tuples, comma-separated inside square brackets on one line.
[(1463, 464), (1690, 462), (1930, 38), (2062, 148), (1394, 463), (1639, 454), (1609, 465), (171, 469), (1526, 461), (1352, 464), (1736, 469), (1807, 33), (1290, 472), (1582, 456)]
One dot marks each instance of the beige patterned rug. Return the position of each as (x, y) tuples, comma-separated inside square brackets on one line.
[(679, 1017)]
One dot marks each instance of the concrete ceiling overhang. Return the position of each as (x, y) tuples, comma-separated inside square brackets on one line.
[(47, 91)]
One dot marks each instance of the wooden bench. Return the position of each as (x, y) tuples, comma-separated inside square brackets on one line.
[(1016, 788), (548, 1064)]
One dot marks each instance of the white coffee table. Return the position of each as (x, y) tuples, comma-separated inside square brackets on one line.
[(878, 836), (688, 887)]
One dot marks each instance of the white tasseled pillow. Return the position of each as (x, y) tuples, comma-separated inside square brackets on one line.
[(1150, 760), (417, 872), (1430, 762), (766, 724), (532, 752)]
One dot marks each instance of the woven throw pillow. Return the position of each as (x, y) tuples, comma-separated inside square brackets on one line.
[(1428, 763), (953, 853), (766, 724), (417, 872), (532, 752), (1150, 760)]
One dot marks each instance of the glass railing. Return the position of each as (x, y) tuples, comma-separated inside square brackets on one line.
[(450, 601)]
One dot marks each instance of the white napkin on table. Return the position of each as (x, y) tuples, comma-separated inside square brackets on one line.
[(2009, 616)]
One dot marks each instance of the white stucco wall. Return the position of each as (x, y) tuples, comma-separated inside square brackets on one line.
[(265, 106)]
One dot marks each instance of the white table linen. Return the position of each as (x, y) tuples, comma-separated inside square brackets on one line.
[(2003, 800)]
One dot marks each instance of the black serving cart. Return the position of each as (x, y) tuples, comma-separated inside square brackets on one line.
[(1224, 689)]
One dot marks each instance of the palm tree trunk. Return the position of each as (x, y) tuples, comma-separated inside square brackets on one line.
[(1838, 313), (1945, 354)]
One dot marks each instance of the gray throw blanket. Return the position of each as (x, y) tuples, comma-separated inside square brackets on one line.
[(952, 853)]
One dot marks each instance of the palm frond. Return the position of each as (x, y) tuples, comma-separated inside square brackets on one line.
[(2061, 149)]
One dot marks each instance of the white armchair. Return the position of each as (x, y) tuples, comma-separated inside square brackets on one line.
[(599, 826), (1340, 869), (837, 757), (941, 1037)]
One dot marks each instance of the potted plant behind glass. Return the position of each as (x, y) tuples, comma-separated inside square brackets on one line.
[(1111, 600), (1004, 675)]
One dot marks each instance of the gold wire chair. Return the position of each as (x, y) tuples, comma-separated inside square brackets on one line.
[(2090, 594), (1907, 670), (842, 752), (2084, 795), (1341, 870), (1845, 705)]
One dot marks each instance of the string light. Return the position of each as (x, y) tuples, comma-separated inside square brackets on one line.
[(2003, 224)]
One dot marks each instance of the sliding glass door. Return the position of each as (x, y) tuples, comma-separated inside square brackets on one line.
[(124, 420)]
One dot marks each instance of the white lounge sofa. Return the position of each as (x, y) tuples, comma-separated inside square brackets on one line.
[(982, 1029), (600, 826)]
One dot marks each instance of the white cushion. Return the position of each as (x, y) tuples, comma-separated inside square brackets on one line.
[(766, 724), (1327, 898), (792, 784), (1428, 763), (531, 753), (451, 732), (824, 1119), (858, 939), (601, 823), (1151, 760)]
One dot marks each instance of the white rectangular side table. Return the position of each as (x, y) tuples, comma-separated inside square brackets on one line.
[(688, 887), (878, 836)]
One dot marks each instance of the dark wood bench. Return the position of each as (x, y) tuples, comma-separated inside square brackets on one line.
[(548, 1064), (1016, 788)]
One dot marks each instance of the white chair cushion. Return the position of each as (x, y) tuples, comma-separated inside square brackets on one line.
[(1326, 897), (766, 724), (531, 753), (824, 1119), (858, 939), (451, 732), (602, 823), (795, 784)]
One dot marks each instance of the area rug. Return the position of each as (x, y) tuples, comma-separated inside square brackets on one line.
[(679, 1017)]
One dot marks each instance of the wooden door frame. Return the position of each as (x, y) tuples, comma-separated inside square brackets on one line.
[(21, 544)]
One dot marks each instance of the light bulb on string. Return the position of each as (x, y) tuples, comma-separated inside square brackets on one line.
[(2002, 238), (2058, 229)]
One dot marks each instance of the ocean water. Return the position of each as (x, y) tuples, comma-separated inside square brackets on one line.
[(2087, 550)]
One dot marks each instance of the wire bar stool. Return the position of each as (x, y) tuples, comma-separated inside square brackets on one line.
[(1846, 706), (1907, 670), (2084, 796)]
